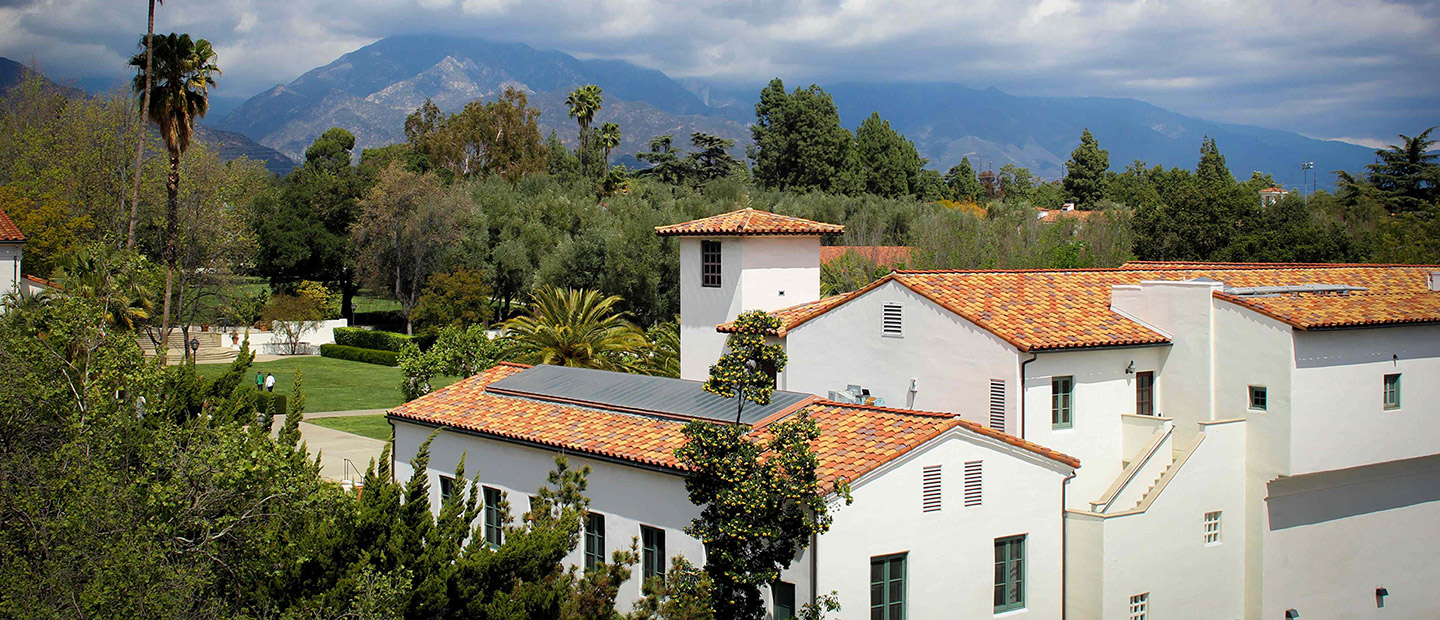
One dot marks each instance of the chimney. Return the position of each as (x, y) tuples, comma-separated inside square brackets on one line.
[(1433, 279)]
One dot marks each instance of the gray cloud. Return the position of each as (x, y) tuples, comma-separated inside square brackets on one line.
[(1363, 69)]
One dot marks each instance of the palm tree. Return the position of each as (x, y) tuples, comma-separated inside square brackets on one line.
[(609, 139), (569, 327), (115, 278), (140, 143), (177, 89), (584, 103)]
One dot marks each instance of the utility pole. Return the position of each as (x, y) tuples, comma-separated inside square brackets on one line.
[(1310, 166)]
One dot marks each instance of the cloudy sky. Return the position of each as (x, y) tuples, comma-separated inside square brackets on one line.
[(1361, 70)]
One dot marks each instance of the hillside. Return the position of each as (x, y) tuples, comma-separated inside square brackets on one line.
[(371, 90)]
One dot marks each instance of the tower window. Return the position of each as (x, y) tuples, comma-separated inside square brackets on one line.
[(710, 264)]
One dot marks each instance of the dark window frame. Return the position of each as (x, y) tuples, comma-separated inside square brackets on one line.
[(494, 526), (888, 591), (1262, 403), (783, 593), (710, 264), (652, 552), (1062, 402), (1145, 392), (594, 540), (1392, 388), (447, 487), (1009, 573)]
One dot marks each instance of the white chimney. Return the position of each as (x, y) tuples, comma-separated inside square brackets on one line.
[(1433, 279)]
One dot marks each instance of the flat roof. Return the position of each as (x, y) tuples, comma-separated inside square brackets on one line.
[(662, 396)]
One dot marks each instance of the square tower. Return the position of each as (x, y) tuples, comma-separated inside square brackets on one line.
[(738, 261)]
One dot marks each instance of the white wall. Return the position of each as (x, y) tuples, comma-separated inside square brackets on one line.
[(952, 360), (627, 496), (1161, 550), (1181, 310), (262, 340), (1339, 415), (1103, 393), (950, 562), (754, 272), (1329, 546), (10, 254)]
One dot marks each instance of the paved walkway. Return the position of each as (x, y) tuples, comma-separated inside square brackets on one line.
[(335, 446)]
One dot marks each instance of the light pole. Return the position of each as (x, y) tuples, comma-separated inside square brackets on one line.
[(194, 348), (1309, 165)]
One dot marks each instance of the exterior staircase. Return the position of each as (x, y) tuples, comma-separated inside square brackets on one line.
[(212, 349)]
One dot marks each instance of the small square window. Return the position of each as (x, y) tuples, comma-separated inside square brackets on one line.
[(1258, 399), (1392, 391), (1140, 606), (1212, 528)]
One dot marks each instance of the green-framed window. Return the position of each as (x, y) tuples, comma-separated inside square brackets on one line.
[(494, 527), (447, 487), (1392, 391), (594, 540), (784, 595), (1009, 573), (652, 551), (1259, 398), (887, 587), (1062, 402)]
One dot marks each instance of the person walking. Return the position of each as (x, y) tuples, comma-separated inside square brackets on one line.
[(259, 380), (269, 382)]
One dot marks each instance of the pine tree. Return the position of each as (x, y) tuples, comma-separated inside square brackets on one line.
[(889, 163), (799, 143), (963, 183), (1087, 173)]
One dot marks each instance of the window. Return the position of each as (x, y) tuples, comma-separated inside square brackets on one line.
[(493, 524), (784, 594), (710, 264), (652, 554), (997, 405), (890, 320), (447, 487), (1212, 528), (973, 480), (1145, 393), (1258, 400), (930, 488), (1009, 573), (887, 587), (1392, 391), (1140, 606), (594, 540), (1062, 402)]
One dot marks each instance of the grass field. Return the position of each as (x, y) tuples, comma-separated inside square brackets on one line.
[(331, 384), (372, 426)]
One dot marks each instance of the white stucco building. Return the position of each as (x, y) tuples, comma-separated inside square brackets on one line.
[(12, 245), (1257, 440)]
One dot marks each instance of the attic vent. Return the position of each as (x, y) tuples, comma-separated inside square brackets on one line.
[(997, 404), (930, 488), (973, 479), (890, 320)]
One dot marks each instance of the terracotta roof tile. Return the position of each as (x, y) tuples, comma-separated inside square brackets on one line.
[(9, 232), (854, 439), (882, 255), (750, 222), (1061, 309)]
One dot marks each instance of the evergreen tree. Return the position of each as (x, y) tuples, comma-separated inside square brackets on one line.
[(1407, 173), (1087, 173), (889, 163), (711, 158), (1211, 172), (665, 160), (963, 183), (799, 143)]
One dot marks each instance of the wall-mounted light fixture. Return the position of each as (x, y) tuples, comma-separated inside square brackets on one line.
[(1380, 594), (1130, 370), (1291, 614)]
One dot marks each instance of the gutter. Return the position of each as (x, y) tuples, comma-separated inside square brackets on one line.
[(1064, 548), (533, 444), (1033, 356)]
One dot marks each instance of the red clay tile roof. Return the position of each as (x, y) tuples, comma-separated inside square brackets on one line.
[(853, 439), (42, 281), (9, 232), (882, 255), (750, 222), (1065, 309), (1055, 215)]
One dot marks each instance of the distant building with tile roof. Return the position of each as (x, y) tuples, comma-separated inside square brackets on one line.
[(880, 255)]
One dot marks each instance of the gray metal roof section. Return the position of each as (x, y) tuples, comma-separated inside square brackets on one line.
[(635, 393)]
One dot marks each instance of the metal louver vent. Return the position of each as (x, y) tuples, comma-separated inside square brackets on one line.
[(997, 404), (974, 479), (890, 320), (930, 488)]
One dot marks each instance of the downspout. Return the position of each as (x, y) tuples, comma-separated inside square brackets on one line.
[(814, 567), (1064, 547), (1021, 391)]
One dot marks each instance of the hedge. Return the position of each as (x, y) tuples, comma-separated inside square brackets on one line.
[(370, 339), (357, 354), (262, 402)]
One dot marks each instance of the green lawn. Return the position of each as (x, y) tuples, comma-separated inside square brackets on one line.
[(331, 384), (372, 426)]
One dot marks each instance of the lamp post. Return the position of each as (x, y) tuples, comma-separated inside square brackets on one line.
[(1310, 166), (194, 348)]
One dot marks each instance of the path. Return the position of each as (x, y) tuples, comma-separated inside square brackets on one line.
[(335, 446)]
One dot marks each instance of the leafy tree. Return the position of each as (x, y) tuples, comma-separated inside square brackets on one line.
[(609, 138), (799, 143), (460, 298), (178, 95), (1134, 186), (663, 352), (405, 224), (1407, 174), (747, 369), (457, 352), (684, 592), (760, 503), (1016, 183), (576, 328), (963, 183), (117, 280), (889, 163), (1087, 173), (500, 137)]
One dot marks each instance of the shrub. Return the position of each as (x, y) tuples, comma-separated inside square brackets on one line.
[(263, 398), (357, 354), (370, 339)]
